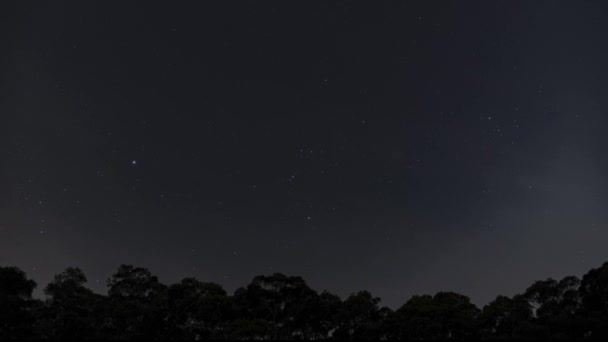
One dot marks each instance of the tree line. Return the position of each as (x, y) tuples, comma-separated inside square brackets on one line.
[(138, 306)]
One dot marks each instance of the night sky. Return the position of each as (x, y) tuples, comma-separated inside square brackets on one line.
[(398, 147)]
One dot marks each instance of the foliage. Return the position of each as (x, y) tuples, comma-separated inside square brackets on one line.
[(277, 306)]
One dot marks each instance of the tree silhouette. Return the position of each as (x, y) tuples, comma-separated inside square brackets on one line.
[(72, 310), (16, 304), (555, 305), (359, 317), (277, 306), (447, 315), (282, 305), (594, 296), (138, 304), (504, 318), (197, 310)]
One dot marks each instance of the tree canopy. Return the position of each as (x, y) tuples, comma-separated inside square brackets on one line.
[(278, 306)]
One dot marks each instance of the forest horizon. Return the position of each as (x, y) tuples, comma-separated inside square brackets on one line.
[(138, 306)]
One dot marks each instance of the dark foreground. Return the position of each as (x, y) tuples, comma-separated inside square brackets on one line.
[(279, 307)]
